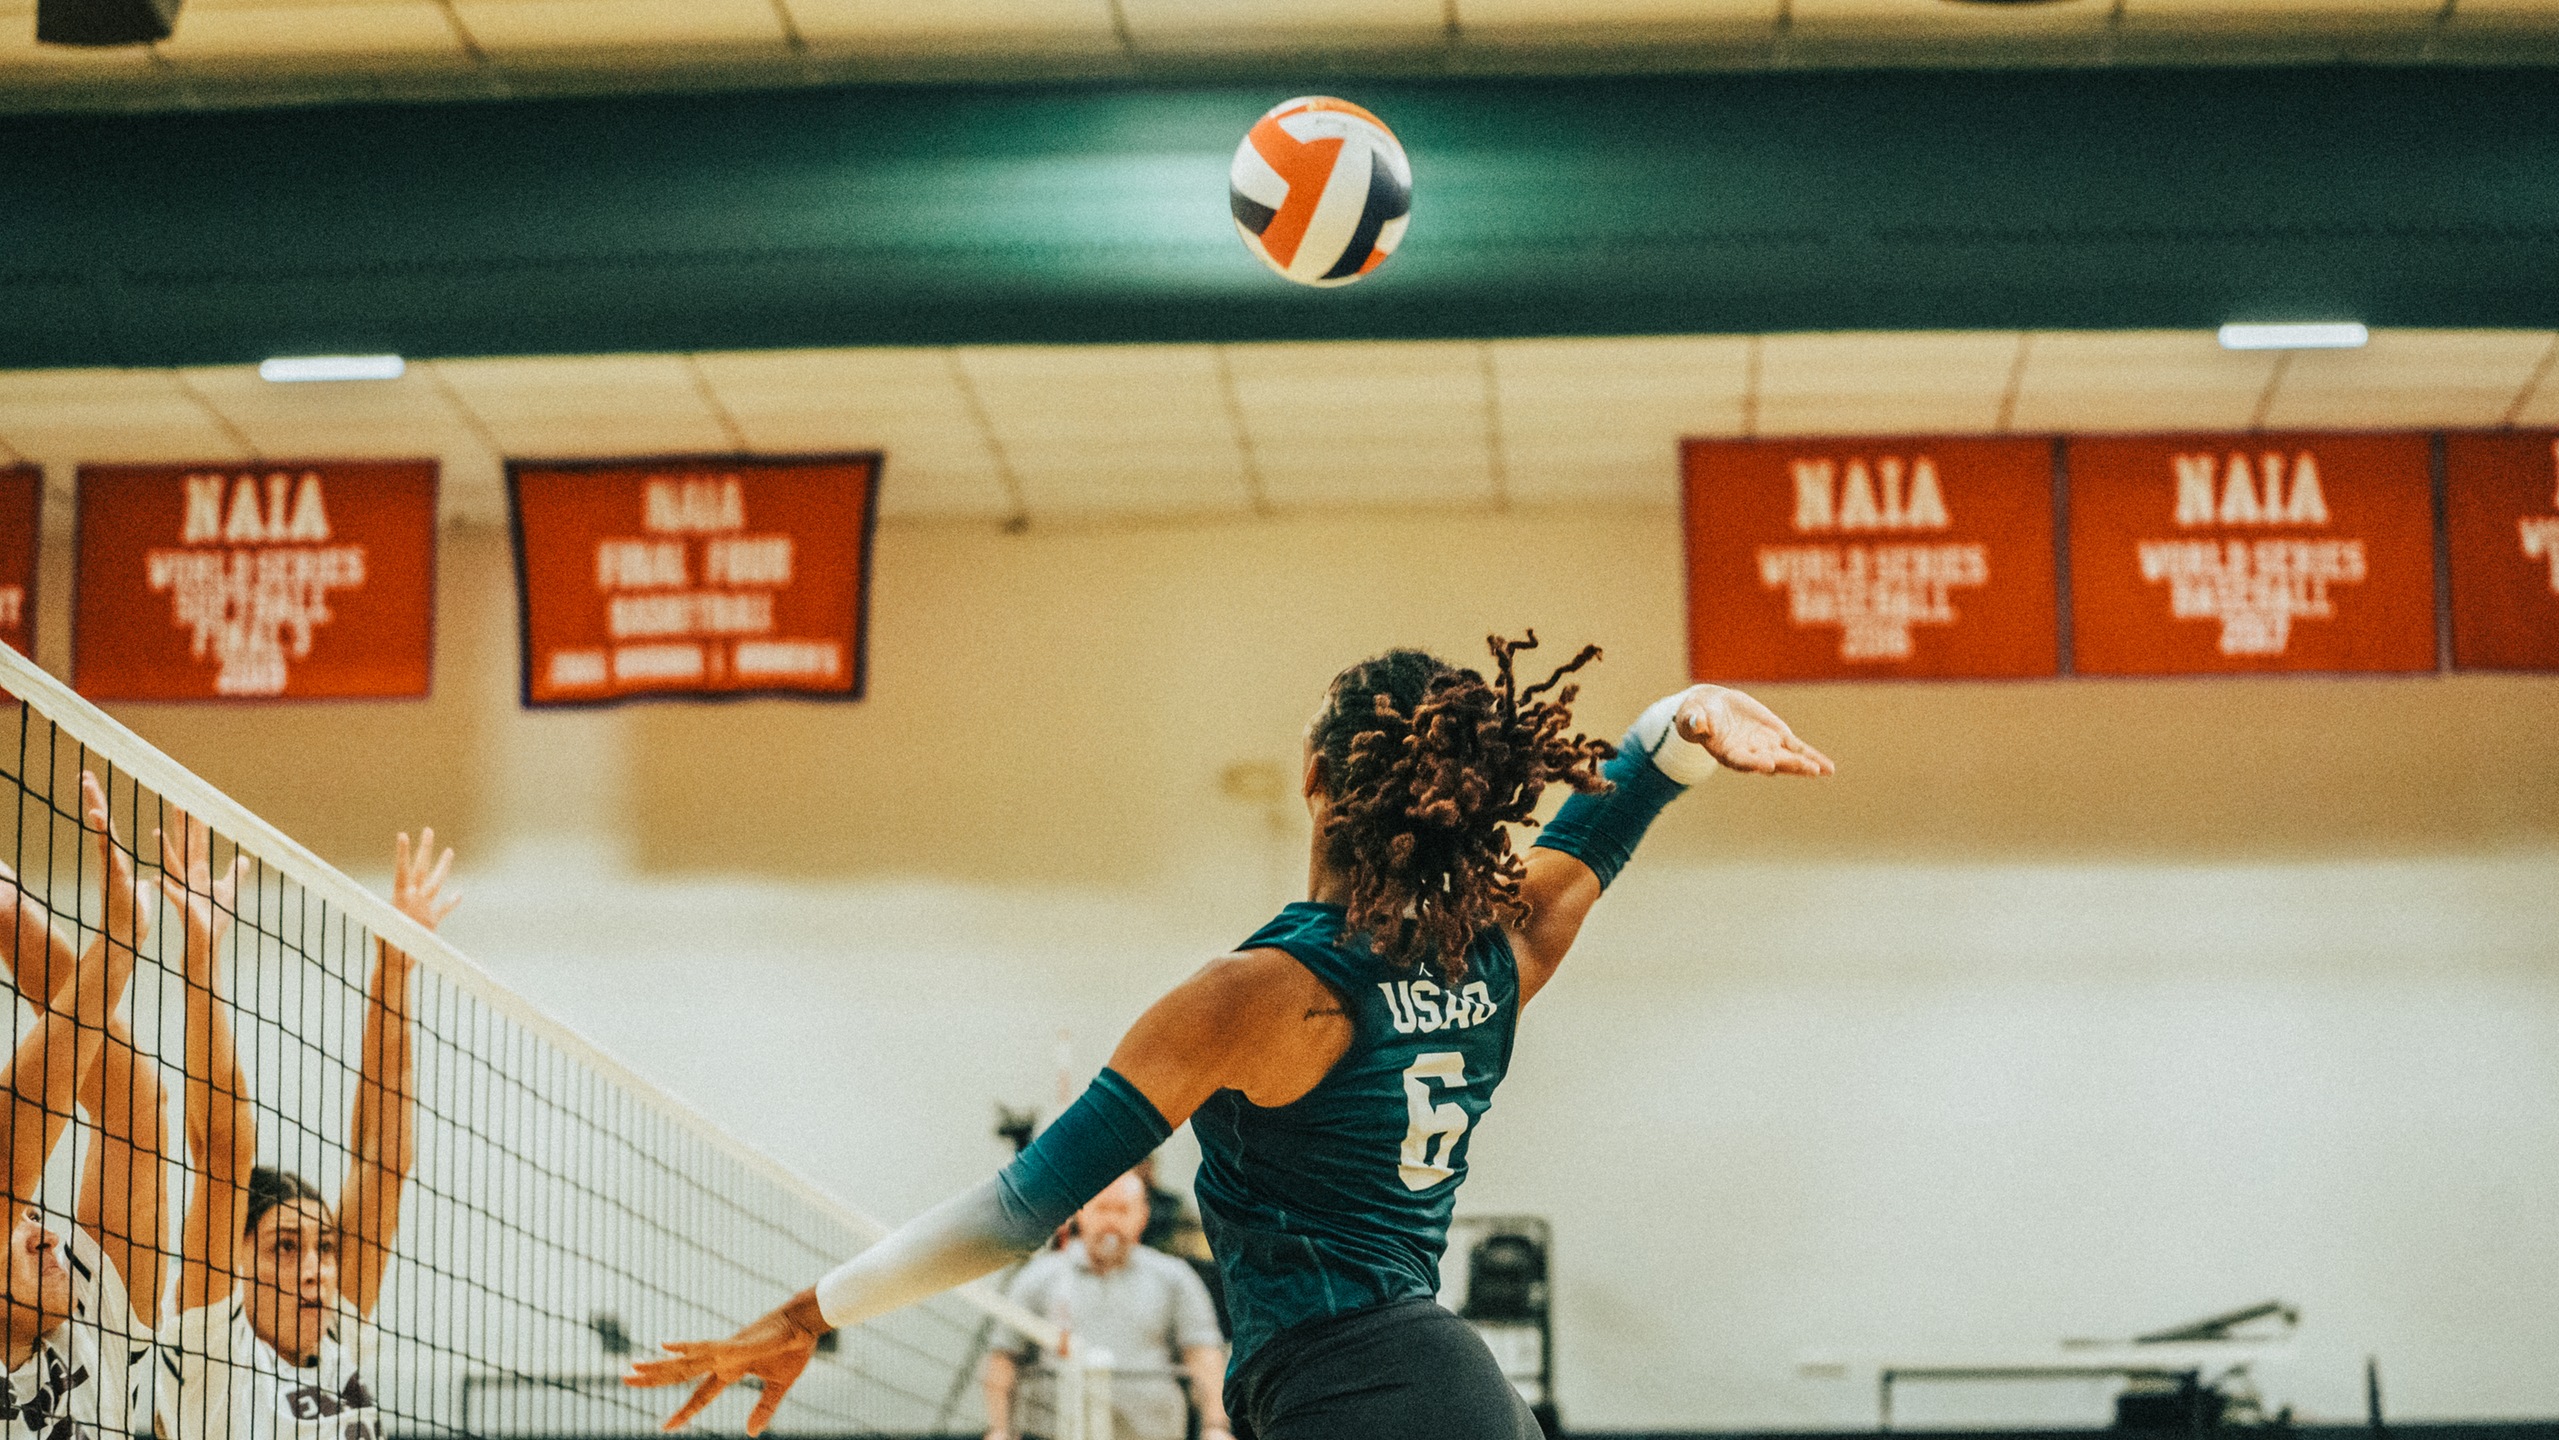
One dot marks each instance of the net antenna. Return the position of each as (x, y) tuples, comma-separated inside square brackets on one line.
[(549, 1205)]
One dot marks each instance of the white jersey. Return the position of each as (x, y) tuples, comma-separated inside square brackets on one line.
[(216, 1380), (78, 1385)]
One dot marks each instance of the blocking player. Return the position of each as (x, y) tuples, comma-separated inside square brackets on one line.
[(276, 1290), (70, 1333)]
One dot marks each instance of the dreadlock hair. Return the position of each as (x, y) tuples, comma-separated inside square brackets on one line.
[(1424, 763), (269, 1187)]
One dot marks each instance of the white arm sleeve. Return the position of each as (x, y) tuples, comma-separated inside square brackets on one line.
[(971, 1234), (1679, 760)]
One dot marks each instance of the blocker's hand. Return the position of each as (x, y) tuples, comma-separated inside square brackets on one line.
[(417, 886), (1745, 735), (772, 1350), (186, 880), (127, 923)]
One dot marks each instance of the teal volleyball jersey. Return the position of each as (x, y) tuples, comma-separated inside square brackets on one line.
[(1340, 1201)]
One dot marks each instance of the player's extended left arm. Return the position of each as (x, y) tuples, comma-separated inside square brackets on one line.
[(981, 1230), (1099, 1138)]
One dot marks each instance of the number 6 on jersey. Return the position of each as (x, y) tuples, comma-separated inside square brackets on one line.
[(1432, 1121)]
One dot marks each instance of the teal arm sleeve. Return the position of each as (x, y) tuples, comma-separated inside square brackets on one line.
[(1602, 831), (1099, 1139)]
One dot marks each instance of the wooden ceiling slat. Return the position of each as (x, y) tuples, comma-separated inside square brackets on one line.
[(1148, 431)]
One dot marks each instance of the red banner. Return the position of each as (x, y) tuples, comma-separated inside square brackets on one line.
[(2211, 554), (21, 539), (693, 577), (1845, 559), (273, 580), (2501, 515)]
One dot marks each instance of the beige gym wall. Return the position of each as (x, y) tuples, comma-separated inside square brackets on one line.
[(1060, 706), (2067, 1007)]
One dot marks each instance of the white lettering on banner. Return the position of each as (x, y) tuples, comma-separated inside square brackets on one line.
[(1874, 593), (651, 595), (748, 560), (1871, 496), (258, 513), (253, 611), (793, 659), (657, 662), (2249, 497), (2541, 532), (640, 564), (2256, 589), (2541, 542), (694, 504), (577, 669), (631, 617)]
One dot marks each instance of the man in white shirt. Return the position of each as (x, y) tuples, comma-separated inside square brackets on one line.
[(1148, 1309)]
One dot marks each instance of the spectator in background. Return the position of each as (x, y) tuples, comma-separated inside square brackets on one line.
[(1170, 1225), (1107, 1291), (1173, 1228)]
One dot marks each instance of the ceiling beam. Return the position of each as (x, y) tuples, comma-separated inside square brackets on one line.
[(1729, 204)]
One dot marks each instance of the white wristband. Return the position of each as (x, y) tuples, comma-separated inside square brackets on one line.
[(1683, 762)]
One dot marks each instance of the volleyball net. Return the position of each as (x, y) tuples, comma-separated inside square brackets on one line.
[(534, 1210)]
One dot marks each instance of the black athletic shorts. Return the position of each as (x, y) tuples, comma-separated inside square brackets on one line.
[(1405, 1371)]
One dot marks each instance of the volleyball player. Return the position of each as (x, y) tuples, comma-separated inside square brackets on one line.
[(1335, 1066), (272, 1335), (70, 1331)]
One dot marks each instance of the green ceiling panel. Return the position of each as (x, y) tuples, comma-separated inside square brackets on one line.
[(891, 215)]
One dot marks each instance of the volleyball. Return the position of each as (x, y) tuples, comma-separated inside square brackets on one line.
[(1320, 190)]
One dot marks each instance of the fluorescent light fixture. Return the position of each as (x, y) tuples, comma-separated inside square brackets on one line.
[(332, 367), (2314, 335)]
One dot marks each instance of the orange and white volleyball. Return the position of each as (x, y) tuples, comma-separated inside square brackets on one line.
[(1320, 190)]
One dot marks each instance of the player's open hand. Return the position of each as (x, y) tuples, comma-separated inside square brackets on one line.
[(1745, 735), (417, 879), (772, 1350), (127, 925), (186, 880)]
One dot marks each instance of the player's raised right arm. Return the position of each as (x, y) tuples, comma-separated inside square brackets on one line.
[(382, 1131), (36, 1084), (1679, 740), (221, 1121)]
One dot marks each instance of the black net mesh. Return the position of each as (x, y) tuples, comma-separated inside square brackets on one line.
[(552, 1214)]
